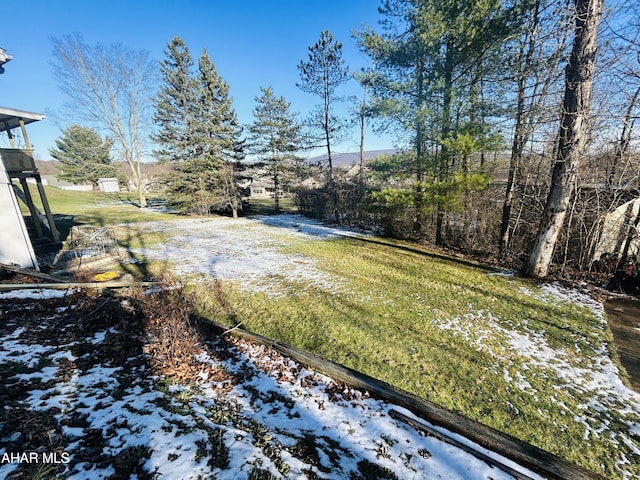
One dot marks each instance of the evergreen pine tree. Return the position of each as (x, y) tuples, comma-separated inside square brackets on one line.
[(218, 134), (322, 73), (274, 136), (200, 132), (84, 156), (215, 122), (174, 104), (432, 66)]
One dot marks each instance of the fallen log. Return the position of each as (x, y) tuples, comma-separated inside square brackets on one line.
[(30, 273), (524, 454), (72, 285)]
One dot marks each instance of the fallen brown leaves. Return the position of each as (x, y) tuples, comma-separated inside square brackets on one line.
[(130, 331), (174, 344)]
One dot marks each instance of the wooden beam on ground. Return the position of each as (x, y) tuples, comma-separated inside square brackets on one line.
[(529, 456), (429, 430), (71, 285), (30, 273)]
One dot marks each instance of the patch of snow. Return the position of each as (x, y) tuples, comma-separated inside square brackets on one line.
[(594, 376), (248, 250), (281, 418), (156, 209), (31, 293), (503, 273)]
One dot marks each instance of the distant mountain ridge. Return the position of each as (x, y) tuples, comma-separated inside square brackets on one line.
[(351, 158)]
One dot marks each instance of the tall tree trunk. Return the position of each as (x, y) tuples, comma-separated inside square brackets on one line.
[(361, 174), (443, 174), (625, 137), (525, 57), (516, 156), (276, 181), (333, 194), (276, 194), (572, 141), (142, 199), (419, 189)]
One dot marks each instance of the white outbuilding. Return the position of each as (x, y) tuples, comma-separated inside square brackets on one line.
[(108, 184)]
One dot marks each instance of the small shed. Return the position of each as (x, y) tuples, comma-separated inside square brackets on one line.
[(108, 184)]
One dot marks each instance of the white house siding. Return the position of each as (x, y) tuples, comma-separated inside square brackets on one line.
[(15, 244)]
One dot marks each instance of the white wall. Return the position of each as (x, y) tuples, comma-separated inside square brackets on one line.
[(77, 188), (15, 245), (108, 185)]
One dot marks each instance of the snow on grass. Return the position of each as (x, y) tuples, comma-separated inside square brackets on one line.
[(254, 251), (249, 250), (278, 419), (594, 378)]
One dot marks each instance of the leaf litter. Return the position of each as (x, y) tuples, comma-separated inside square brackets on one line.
[(109, 385)]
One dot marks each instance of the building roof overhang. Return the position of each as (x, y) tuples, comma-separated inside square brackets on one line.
[(10, 118)]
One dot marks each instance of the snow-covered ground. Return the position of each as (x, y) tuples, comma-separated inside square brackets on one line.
[(246, 249), (281, 418), (110, 416), (250, 250)]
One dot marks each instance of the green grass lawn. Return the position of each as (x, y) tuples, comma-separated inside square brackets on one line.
[(118, 211), (448, 331), (92, 208), (498, 349)]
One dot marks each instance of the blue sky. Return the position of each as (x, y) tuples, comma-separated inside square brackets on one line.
[(253, 44)]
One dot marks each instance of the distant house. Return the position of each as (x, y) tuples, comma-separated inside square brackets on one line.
[(256, 180), (261, 189), (110, 184)]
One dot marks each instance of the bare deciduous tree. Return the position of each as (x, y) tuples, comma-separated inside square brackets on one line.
[(572, 138), (540, 48), (108, 87)]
